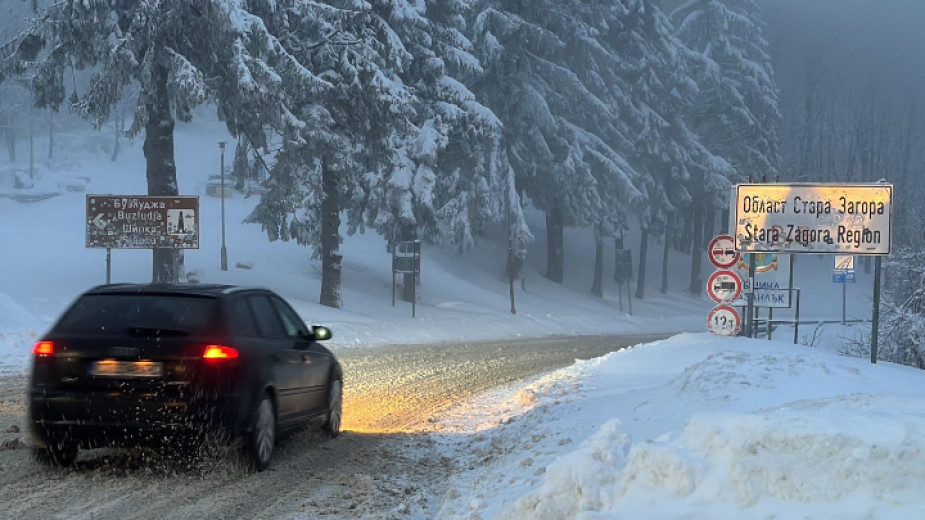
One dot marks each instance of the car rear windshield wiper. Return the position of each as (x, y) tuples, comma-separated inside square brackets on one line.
[(155, 331)]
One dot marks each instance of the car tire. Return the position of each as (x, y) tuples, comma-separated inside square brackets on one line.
[(335, 408), (56, 453), (261, 438)]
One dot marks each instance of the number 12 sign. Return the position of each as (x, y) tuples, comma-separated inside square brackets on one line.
[(724, 320)]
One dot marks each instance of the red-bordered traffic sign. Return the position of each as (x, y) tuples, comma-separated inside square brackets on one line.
[(722, 251), (724, 286), (724, 320)]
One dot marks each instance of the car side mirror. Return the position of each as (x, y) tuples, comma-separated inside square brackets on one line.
[(321, 333)]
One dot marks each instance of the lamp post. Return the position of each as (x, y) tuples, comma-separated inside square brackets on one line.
[(221, 146)]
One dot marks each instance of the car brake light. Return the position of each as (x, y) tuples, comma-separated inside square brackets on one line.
[(43, 348), (219, 352)]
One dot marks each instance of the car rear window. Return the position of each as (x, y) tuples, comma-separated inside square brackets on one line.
[(124, 313)]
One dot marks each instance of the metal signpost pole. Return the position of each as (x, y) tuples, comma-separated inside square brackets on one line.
[(629, 296), (750, 311), (770, 322), (844, 302), (875, 326), (221, 146), (31, 146)]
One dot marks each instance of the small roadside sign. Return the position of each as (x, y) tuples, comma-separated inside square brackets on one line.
[(724, 286), (843, 277), (844, 262), (843, 269), (722, 251), (772, 279), (724, 320)]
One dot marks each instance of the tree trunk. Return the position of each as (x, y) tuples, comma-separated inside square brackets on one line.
[(641, 278), (686, 235), (597, 288), (119, 125), (9, 137), (664, 288), (240, 168), (696, 285), (167, 264), (330, 239), (709, 221), (555, 245), (515, 265), (51, 134)]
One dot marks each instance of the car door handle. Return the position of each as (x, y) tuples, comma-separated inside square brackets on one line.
[(307, 358)]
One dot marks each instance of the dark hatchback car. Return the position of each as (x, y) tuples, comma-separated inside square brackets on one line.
[(137, 365)]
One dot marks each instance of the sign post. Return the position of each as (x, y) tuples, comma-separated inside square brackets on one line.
[(843, 272), (722, 251), (848, 219), (813, 218), (724, 286), (406, 259), (724, 320), (141, 222)]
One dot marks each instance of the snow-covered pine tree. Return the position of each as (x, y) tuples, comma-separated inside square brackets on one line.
[(181, 53), (735, 114), (556, 124), (903, 317), (443, 185), (14, 98), (606, 135), (352, 131), (440, 187), (659, 73)]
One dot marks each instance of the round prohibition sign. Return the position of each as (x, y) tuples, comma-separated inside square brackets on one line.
[(724, 320), (724, 286), (722, 251)]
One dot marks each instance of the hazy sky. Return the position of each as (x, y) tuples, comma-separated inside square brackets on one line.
[(883, 35)]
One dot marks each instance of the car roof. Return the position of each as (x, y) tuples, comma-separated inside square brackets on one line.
[(214, 290)]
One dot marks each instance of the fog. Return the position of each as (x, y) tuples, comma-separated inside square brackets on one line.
[(851, 77)]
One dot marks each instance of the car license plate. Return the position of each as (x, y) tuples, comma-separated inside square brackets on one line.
[(126, 369)]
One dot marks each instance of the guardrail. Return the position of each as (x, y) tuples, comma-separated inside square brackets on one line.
[(765, 326)]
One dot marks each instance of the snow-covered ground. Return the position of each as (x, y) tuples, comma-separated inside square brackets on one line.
[(695, 427), (691, 427)]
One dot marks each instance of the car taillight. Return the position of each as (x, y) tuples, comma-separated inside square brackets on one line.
[(43, 348), (219, 352)]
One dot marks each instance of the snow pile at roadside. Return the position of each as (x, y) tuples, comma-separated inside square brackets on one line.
[(18, 331), (697, 428)]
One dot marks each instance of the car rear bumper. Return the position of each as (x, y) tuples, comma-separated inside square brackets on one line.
[(97, 419)]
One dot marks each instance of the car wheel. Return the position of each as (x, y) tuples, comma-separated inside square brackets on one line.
[(261, 439), (56, 453), (335, 407)]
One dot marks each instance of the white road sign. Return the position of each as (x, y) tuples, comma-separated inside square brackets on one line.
[(844, 262), (723, 320), (722, 251), (772, 280), (813, 218), (724, 286)]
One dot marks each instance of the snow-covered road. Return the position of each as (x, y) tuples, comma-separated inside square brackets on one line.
[(384, 466)]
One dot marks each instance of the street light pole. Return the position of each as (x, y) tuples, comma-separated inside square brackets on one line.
[(221, 146)]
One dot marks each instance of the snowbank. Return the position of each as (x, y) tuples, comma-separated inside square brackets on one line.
[(697, 428)]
